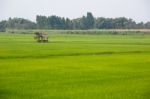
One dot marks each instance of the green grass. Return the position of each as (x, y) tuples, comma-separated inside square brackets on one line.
[(74, 66)]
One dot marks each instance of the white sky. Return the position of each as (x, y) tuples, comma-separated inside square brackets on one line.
[(139, 10)]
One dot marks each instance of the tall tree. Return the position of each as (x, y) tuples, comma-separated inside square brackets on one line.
[(89, 20), (41, 21), (3, 26)]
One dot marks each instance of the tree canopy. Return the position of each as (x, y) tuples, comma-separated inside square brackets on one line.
[(84, 22)]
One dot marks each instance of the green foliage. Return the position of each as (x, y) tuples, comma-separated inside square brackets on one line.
[(20, 23), (52, 22), (75, 66), (41, 21), (88, 22), (2, 26), (84, 22)]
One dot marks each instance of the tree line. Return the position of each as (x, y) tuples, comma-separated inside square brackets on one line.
[(84, 22)]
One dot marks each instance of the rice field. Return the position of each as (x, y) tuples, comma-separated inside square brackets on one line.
[(75, 66)]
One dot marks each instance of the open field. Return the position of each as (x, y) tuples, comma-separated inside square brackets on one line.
[(75, 66)]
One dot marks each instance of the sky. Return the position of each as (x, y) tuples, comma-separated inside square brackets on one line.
[(138, 10)]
